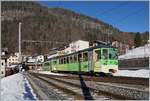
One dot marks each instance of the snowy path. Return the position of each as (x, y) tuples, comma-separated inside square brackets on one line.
[(143, 73), (16, 88)]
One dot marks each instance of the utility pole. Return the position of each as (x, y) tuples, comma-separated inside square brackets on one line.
[(20, 58)]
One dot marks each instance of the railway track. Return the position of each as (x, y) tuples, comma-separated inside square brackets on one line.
[(73, 91), (122, 80), (81, 87)]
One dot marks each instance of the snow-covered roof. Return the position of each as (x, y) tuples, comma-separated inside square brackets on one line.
[(31, 60), (139, 52)]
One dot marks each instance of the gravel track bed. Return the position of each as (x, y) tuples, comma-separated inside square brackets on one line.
[(131, 92), (51, 92), (120, 80), (78, 89)]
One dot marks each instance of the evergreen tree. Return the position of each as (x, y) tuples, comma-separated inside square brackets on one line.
[(137, 40), (145, 37)]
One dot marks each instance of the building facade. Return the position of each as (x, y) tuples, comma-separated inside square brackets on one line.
[(13, 59), (75, 46), (122, 47), (40, 58), (2, 69)]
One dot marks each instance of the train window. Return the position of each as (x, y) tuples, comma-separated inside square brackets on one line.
[(46, 64), (54, 61), (64, 60), (71, 59), (85, 56), (60, 61), (75, 58), (98, 55), (67, 60), (79, 56), (105, 54), (112, 53)]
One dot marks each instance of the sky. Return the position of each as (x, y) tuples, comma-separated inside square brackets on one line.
[(127, 16)]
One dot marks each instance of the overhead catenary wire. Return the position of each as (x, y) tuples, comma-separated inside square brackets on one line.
[(113, 9), (130, 14), (127, 16), (38, 41)]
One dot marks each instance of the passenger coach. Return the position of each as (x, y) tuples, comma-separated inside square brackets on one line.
[(98, 59)]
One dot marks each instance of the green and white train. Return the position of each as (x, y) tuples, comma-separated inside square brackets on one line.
[(99, 59)]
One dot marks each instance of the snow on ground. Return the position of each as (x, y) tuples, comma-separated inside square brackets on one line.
[(16, 88), (143, 73), (49, 72), (139, 52)]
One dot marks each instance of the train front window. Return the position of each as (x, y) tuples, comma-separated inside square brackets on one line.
[(105, 54), (98, 55), (85, 56), (112, 53)]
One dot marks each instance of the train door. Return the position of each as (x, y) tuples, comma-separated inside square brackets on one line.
[(90, 61), (50, 65), (80, 61), (104, 56), (84, 63), (54, 64), (96, 60), (104, 60)]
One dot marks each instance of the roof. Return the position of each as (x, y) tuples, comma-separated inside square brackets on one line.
[(100, 42)]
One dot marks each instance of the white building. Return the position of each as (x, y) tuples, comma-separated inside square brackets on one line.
[(76, 46), (73, 47), (79, 45), (2, 68), (40, 58), (13, 59), (31, 59)]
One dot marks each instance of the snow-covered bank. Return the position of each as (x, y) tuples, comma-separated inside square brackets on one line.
[(139, 52), (48, 72), (16, 88), (143, 73)]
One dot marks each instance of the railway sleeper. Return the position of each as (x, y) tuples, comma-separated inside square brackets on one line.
[(101, 91), (66, 90)]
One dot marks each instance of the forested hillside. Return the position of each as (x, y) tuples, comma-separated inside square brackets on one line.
[(52, 24)]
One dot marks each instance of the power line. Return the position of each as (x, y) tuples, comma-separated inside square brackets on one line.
[(113, 8), (130, 14), (37, 41), (110, 10)]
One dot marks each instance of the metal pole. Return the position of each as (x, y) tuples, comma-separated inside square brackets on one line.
[(20, 42), (36, 64), (0, 51)]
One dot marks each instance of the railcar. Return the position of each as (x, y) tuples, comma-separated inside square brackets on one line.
[(97, 60)]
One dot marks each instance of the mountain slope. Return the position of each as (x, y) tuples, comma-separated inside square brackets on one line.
[(51, 24)]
